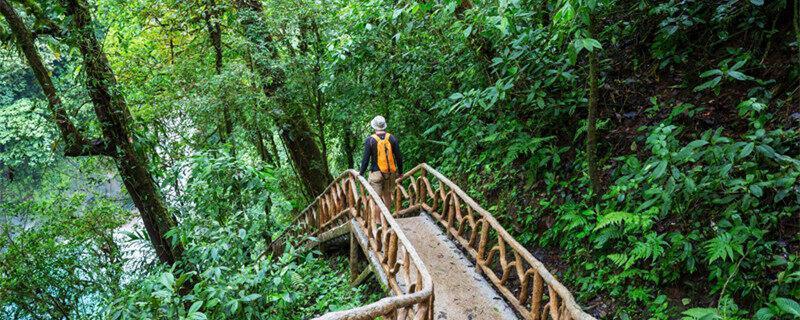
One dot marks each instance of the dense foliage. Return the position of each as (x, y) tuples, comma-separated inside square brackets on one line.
[(648, 152)]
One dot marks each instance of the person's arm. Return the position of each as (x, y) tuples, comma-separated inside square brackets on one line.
[(365, 157), (398, 157)]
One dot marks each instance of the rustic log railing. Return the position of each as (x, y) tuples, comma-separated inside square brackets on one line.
[(350, 200), (522, 279)]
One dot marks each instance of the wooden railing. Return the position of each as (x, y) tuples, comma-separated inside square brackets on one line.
[(350, 199), (522, 279)]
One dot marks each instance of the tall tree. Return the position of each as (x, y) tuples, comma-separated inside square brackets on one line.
[(591, 130), (211, 16), (307, 23), (114, 117), (579, 15), (293, 127)]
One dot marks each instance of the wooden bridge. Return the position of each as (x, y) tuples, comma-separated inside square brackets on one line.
[(438, 253)]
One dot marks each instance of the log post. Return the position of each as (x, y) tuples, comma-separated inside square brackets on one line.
[(355, 258)]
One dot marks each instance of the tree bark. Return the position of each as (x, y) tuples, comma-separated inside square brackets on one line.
[(273, 146), (294, 129), (215, 33), (796, 24), (114, 116), (319, 95), (349, 144), (263, 153), (591, 131)]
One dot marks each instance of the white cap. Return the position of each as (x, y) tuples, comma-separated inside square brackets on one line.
[(378, 123)]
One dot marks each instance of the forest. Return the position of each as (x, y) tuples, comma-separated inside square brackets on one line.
[(646, 151)]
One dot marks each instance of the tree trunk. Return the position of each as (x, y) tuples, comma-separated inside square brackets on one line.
[(349, 144), (263, 152), (320, 96), (796, 23), (591, 131), (274, 147), (262, 149), (114, 116), (294, 129), (305, 156), (320, 104), (267, 152)]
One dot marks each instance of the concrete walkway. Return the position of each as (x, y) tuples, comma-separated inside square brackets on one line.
[(460, 292)]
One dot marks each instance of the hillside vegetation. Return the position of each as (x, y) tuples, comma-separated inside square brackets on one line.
[(647, 152)]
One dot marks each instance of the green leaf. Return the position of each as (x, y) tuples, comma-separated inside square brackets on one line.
[(719, 248), (397, 13), (764, 314), (701, 314), (167, 279), (195, 306), (789, 306), (757, 2), (708, 84), (756, 191), (251, 297), (198, 316), (591, 44), (564, 15), (715, 72), (738, 75), (746, 150), (697, 143), (660, 169), (468, 31), (578, 44), (572, 54)]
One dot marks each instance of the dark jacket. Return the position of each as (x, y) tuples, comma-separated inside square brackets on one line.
[(371, 154)]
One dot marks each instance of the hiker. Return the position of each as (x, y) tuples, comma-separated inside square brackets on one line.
[(382, 154)]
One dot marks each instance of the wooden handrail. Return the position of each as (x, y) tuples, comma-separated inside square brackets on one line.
[(350, 198), (487, 242)]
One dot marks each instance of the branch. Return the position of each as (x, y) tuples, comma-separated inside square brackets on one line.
[(90, 148), (50, 30)]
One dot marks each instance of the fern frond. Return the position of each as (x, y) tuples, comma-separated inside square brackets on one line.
[(620, 259), (721, 247), (615, 218)]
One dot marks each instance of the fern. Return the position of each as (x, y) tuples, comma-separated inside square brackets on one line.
[(620, 259), (722, 248), (573, 220), (616, 218), (605, 236), (652, 248), (631, 221)]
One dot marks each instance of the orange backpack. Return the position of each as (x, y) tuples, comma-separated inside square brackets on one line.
[(385, 155)]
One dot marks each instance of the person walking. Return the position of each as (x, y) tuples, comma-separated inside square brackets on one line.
[(382, 156)]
